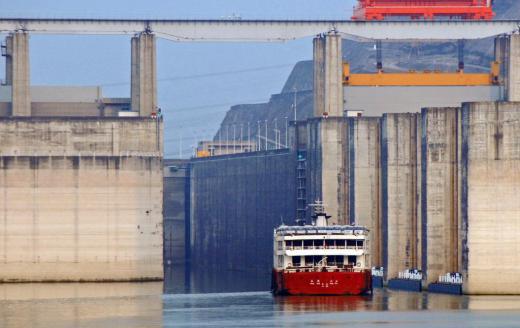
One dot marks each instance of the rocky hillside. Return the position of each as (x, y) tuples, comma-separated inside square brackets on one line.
[(396, 57)]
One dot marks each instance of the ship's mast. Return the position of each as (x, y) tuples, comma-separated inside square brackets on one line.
[(320, 217)]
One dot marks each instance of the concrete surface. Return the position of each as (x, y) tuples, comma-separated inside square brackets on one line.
[(327, 157), (440, 188), (144, 74), (328, 75), (80, 199), (400, 192), (17, 48), (490, 206), (512, 85), (365, 179)]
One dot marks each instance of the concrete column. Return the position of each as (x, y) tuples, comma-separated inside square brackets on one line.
[(328, 79), (327, 160), (400, 193), (144, 74), (440, 205), (501, 44), (507, 52), (490, 189), (364, 179), (17, 73), (319, 76), (513, 80)]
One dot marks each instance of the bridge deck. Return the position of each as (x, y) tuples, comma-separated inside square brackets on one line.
[(266, 30)]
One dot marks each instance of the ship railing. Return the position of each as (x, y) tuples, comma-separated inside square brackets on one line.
[(292, 248), (412, 274), (451, 278), (378, 272), (323, 269)]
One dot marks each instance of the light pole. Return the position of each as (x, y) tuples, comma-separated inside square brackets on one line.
[(258, 140), (276, 133), (294, 103), (234, 137), (266, 135), (286, 132), (249, 136)]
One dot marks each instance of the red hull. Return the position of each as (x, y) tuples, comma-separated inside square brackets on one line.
[(321, 283)]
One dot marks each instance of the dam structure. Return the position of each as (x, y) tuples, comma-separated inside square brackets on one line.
[(433, 178), (80, 176)]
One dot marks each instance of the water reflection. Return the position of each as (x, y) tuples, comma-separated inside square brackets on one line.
[(80, 305), (225, 299), (323, 303), (184, 279)]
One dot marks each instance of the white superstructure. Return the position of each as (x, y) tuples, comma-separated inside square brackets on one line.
[(332, 248)]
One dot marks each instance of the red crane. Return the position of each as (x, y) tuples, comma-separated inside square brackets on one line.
[(424, 9)]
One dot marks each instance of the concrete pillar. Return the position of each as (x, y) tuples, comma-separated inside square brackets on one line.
[(144, 74), (327, 162), (507, 52), (513, 80), (327, 146), (400, 193), (501, 44), (364, 179), (328, 76), (490, 189), (17, 73), (440, 188), (319, 76)]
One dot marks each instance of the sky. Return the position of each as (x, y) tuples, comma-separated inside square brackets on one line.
[(198, 82)]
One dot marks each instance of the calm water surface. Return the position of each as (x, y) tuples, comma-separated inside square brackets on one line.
[(213, 301)]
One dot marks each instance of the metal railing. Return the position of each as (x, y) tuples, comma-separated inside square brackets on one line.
[(293, 248)]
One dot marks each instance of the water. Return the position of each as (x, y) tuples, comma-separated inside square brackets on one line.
[(198, 300)]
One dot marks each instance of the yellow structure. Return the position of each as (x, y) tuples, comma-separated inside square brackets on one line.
[(203, 153), (425, 78)]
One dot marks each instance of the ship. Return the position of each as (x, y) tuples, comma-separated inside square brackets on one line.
[(319, 259)]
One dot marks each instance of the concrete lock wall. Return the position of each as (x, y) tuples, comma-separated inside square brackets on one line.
[(490, 189), (365, 179), (327, 158), (80, 199), (400, 174), (440, 204), (236, 202)]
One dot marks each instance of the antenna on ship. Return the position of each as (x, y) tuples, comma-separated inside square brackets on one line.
[(319, 217)]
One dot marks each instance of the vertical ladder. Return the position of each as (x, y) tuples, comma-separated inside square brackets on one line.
[(301, 182)]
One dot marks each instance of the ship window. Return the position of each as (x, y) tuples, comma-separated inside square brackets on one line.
[(297, 244), (280, 261), (288, 244), (351, 243), (341, 243), (352, 260), (312, 260), (335, 261), (360, 243), (307, 244), (280, 245), (296, 261), (330, 243), (318, 243)]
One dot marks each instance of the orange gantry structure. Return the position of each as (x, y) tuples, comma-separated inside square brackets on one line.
[(424, 9), (424, 78)]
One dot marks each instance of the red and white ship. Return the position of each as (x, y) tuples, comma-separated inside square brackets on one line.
[(319, 259)]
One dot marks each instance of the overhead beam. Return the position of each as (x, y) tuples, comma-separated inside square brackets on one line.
[(266, 30)]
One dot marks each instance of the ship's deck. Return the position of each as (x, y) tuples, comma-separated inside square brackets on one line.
[(313, 230)]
